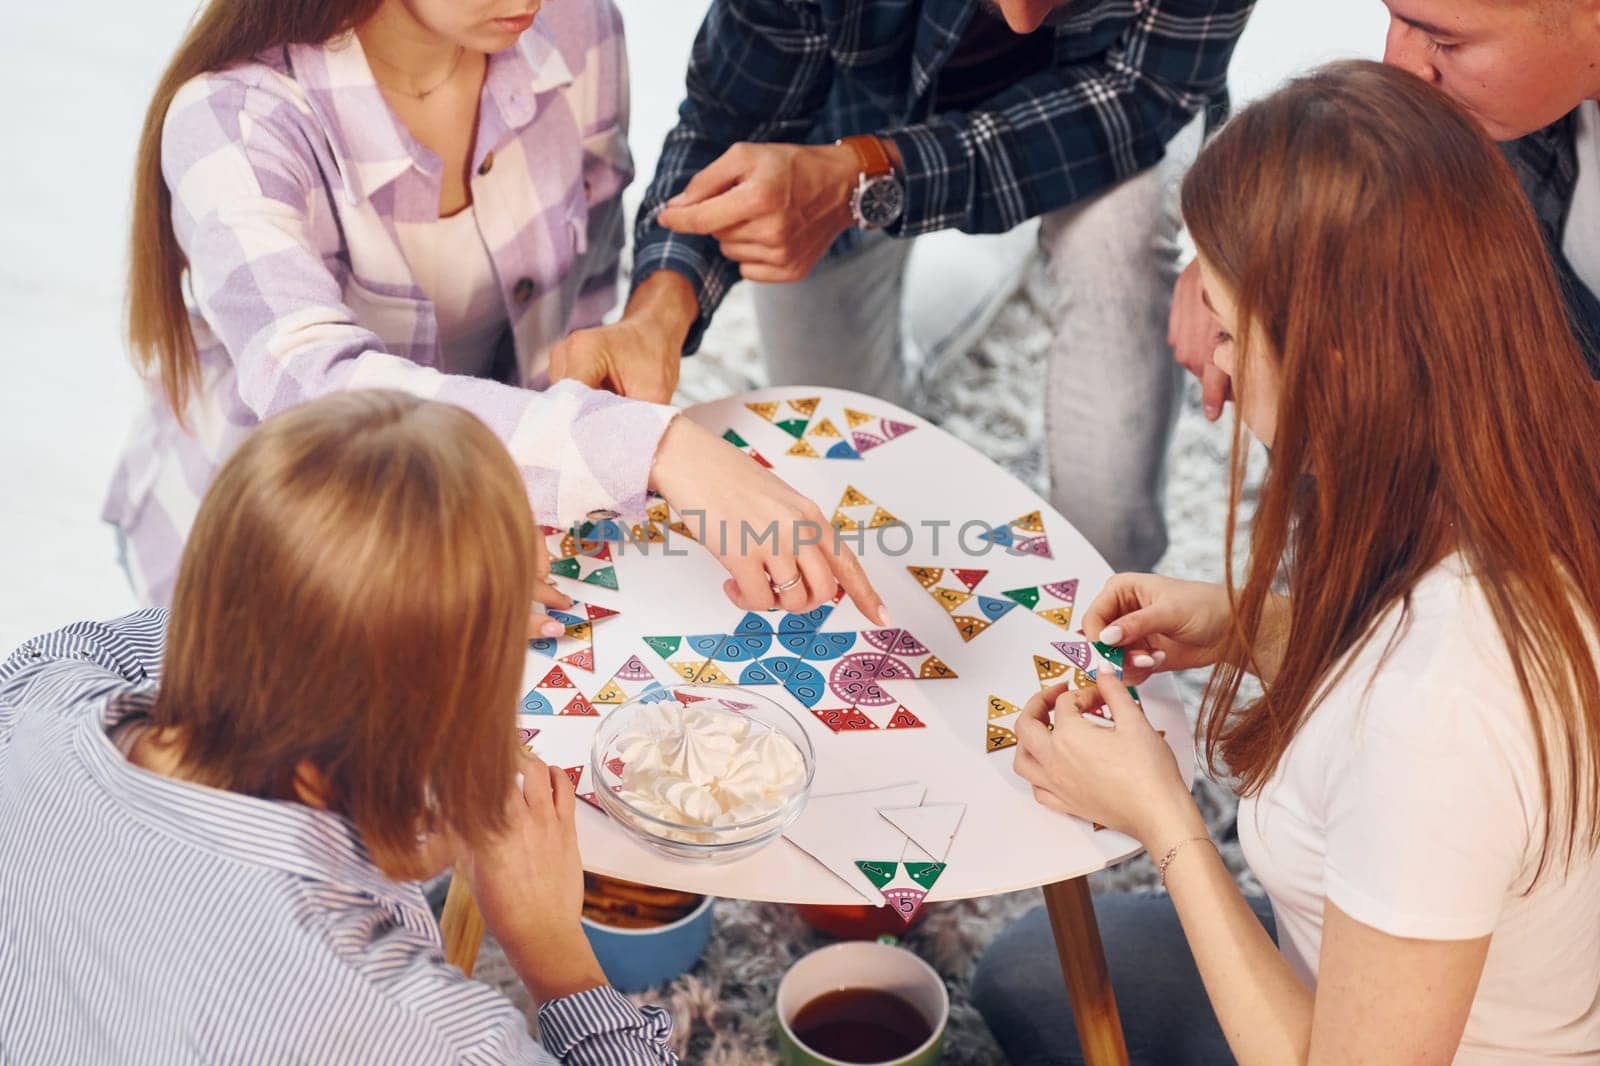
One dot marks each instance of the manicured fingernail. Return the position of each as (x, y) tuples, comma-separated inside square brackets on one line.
[(1143, 661), (883, 615), (1111, 634), (1212, 411), (1160, 657), (551, 628)]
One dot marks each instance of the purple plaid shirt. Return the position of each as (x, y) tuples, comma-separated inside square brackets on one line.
[(288, 176)]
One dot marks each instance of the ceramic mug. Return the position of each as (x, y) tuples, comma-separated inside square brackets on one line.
[(862, 965)]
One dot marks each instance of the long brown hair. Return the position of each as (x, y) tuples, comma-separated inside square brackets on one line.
[(354, 598), (1432, 400), (226, 33)]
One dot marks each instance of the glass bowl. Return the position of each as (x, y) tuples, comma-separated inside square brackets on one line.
[(676, 839)]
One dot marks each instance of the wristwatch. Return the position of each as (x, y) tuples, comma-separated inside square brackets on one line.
[(879, 196)]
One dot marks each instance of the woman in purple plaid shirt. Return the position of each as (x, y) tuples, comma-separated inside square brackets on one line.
[(421, 195)]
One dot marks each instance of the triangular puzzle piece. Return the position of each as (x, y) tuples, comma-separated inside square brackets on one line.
[(969, 626), (905, 902), (1077, 652), (806, 405), (878, 872), (842, 450), (844, 719), (767, 409), (924, 873), (927, 576), (999, 708), (802, 449), (857, 418), (796, 428), (824, 428), (999, 738), (904, 719)]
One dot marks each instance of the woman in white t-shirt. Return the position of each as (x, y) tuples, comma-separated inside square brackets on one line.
[(1420, 773)]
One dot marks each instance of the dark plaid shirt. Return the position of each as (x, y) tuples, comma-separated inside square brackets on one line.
[(1546, 163), (1128, 75)]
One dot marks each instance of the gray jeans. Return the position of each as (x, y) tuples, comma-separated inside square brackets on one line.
[(1112, 393), (1166, 1016)]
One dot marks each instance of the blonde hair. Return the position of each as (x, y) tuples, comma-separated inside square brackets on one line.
[(354, 598)]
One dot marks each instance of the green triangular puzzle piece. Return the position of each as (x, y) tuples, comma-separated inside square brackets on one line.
[(605, 577), (734, 439), (924, 873), (879, 873), (1135, 694), (1028, 597), (1109, 654), (565, 568), (795, 427), (665, 647)]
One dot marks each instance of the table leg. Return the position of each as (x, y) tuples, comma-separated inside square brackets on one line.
[(461, 925), (1083, 964)]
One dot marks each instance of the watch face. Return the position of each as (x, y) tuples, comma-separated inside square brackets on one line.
[(882, 200)]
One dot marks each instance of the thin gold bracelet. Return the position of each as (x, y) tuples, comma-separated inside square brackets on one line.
[(1172, 853)]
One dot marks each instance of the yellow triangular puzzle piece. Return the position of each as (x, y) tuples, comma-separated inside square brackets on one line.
[(610, 693), (927, 576), (881, 518), (1061, 616), (1081, 679), (1048, 668), (824, 428), (932, 668), (856, 418), (1030, 523), (843, 522), (999, 708), (658, 512), (802, 449), (581, 630), (711, 675), (970, 626), (806, 405), (950, 599), (686, 670), (767, 410), (853, 497), (999, 738)]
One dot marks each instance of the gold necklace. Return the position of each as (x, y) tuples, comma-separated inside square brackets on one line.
[(425, 93)]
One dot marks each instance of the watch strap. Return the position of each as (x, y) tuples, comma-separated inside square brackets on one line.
[(871, 153)]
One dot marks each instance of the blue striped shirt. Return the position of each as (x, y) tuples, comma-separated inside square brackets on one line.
[(146, 919)]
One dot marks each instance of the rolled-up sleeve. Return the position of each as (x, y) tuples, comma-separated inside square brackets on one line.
[(760, 71), (600, 1027), (241, 182)]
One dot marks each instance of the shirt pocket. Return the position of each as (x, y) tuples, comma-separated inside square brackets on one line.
[(404, 324)]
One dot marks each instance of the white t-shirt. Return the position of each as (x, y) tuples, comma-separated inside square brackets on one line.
[(1581, 241), (452, 267), (1410, 799)]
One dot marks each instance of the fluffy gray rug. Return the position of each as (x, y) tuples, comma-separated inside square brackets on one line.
[(989, 398)]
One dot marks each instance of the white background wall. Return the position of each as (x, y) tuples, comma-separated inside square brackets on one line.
[(74, 78)]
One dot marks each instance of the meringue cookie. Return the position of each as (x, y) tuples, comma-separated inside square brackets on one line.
[(701, 765)]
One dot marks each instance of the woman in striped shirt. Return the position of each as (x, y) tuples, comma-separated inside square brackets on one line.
[(422, 195), (214, 826)]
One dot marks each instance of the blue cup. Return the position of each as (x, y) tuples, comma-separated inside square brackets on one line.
[(637, 959)]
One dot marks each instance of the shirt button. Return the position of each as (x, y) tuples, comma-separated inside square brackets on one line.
[(522, 292), (487, 164)]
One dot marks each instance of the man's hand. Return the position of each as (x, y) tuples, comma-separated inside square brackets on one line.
[(773, 208), (1192, 332), (641, 355)]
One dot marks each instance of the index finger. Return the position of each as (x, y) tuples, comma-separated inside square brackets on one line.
[(849, 572), (736, 205)]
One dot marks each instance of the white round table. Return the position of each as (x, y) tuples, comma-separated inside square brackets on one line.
[(944, 495)]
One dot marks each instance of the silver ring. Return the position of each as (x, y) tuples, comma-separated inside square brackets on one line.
[(787, 585)]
